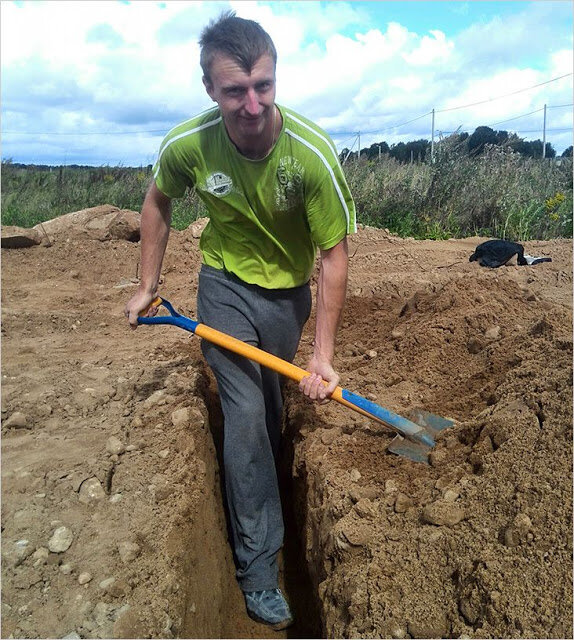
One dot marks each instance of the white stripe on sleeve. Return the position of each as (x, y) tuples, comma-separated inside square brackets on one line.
[(206, 125), (333, 178)]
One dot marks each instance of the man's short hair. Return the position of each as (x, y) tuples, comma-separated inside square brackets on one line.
[(245, 41)]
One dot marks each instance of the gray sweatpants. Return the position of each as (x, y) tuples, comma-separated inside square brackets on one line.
[(252, 407)]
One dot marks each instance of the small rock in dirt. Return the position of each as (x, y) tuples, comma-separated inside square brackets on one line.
[(358, 535), (517, 533), (522, 521), (61, 540), (397, 332), (136, 423), (328, 436), (130, 625), (364, 508), (442, 513), (40, 556), (17, 420), (91, 490), (102, 612), (393, 379), (44, 410), (15, 555), (115, 588), (391, 486), (492, 333), (27, 579), (66, 569), (196, 418), (451, 495), (128, 551), (355, 475), (470, 612), (372, 354), (156, 399), (115, 446), (180, 417), (437, 457), (84, 577), (402, 502), (397, 631)]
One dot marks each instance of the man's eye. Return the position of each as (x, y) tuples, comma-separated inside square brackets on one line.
[(234, 92)]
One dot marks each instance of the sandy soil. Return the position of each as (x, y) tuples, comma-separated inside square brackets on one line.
[(112, 519)]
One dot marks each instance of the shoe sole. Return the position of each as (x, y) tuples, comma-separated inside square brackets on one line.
[(277, 626)]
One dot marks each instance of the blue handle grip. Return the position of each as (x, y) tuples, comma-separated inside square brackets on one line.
[(174, 318)]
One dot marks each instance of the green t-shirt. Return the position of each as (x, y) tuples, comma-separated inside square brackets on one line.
[(266, 217)]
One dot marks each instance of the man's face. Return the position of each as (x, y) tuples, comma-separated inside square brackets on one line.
[(245, 99)]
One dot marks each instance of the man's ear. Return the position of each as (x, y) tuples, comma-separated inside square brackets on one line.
[(208, 87)]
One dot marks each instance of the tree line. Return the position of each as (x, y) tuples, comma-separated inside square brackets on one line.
[(473, 145)]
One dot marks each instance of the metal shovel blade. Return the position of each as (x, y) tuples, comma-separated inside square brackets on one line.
[(432, 424)]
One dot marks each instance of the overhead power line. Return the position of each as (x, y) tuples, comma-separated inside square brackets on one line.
[(506, 95), (517, 117)]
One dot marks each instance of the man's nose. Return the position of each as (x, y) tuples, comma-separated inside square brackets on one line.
[(252, 102)]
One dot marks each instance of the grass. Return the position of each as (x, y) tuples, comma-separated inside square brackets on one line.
[(499, 194)]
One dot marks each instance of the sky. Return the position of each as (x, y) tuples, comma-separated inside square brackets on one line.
[(101, 82)]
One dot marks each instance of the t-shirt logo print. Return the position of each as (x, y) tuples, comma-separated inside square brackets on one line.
[(219, 184), (289, 185)]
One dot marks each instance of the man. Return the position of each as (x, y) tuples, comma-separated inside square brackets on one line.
[(275, 192)]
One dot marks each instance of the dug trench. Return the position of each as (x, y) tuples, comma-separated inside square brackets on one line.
[(113, 522)]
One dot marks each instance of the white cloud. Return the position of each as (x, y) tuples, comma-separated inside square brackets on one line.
[(430, 50), (111, 66)]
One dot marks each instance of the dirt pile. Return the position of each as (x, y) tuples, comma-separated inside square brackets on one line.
[(113, 524)]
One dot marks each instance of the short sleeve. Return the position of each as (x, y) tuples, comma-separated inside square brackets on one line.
[(330, 208), (168, 172)]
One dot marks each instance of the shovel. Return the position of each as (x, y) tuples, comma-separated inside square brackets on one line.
[(415, 437)]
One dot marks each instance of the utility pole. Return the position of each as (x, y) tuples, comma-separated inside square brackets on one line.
[(359, 138), (350, 151), (379, 153), (432, 139), (544, 135)]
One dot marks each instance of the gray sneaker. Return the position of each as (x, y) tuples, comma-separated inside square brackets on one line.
[(269, 607)]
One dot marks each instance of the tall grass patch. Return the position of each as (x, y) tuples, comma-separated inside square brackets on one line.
[(498, 193)]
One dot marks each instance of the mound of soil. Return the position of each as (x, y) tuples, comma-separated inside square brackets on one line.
[(112, 519)]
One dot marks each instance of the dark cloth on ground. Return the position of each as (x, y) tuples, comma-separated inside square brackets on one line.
[(495, 253)]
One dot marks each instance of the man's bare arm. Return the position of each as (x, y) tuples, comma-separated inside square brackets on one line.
[(331, 294), (155, 226)]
